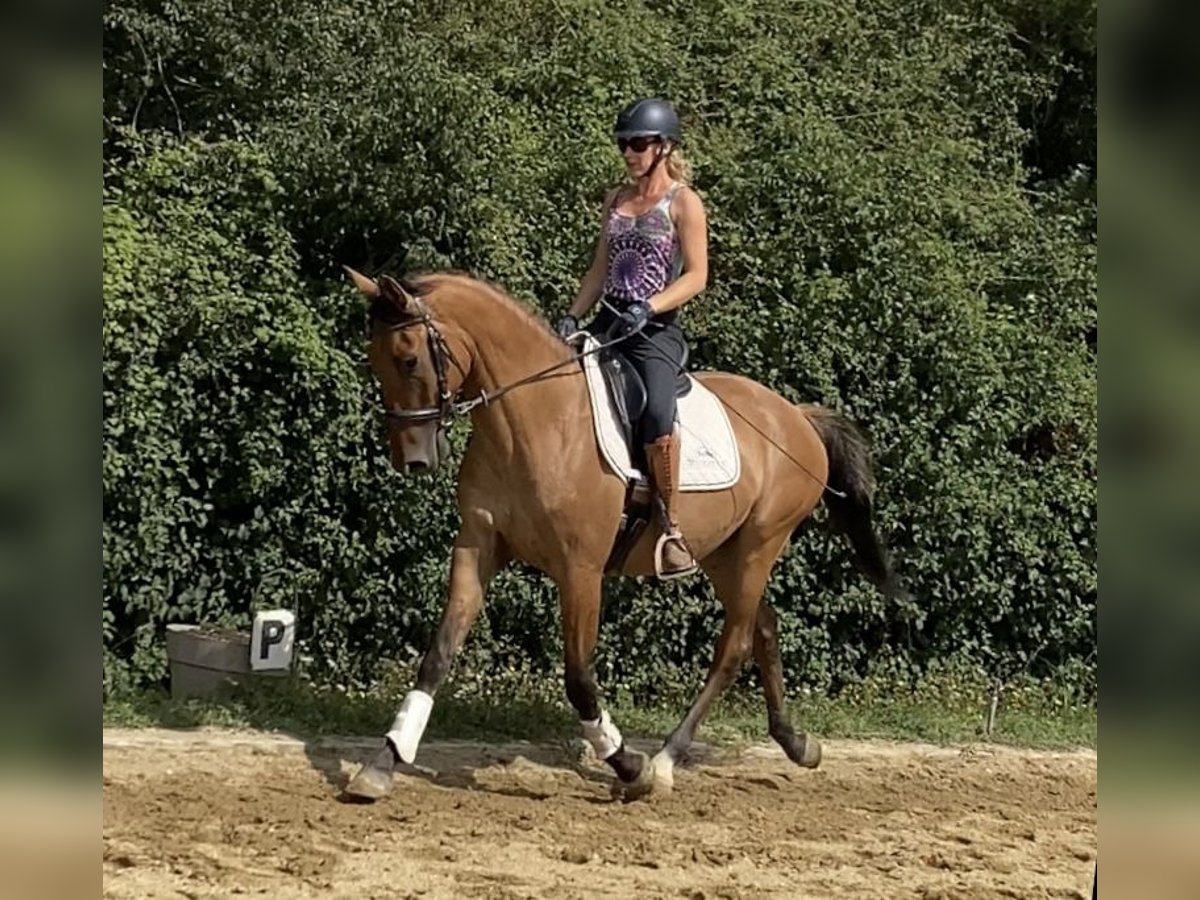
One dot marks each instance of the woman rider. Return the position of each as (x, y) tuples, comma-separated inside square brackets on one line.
[(651, 259)]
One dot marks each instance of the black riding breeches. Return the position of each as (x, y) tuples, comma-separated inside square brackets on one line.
[(656, 352)]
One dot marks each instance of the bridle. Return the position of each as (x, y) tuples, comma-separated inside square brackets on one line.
[(439, 351)]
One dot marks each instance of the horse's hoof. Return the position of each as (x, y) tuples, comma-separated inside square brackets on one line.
[(629, 764), (370, 783), (801, 749), (657, 779), (810, 755)]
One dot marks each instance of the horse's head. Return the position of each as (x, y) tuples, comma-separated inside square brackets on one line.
[(418, 372)]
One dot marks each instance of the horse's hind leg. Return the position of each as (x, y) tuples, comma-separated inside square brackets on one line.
[(739, 572), (800, 748)]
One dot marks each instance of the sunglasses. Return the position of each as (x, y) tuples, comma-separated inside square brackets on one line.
[(639, 143)]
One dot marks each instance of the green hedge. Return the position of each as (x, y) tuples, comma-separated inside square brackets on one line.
[(878, 244)]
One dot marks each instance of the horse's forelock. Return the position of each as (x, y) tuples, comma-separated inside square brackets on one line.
[(383, 311)]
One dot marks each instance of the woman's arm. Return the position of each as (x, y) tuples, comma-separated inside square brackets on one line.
[(593, 280), (691, 224)]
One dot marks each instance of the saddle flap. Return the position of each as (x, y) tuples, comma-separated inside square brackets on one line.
[(683, 382), (627, 391)]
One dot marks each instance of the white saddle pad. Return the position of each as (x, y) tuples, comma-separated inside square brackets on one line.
[(710, 462)]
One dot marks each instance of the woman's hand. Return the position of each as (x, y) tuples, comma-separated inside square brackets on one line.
[(567, 326), (631, 321)]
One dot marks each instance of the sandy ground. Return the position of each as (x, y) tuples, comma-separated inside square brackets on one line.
[(219, 814)]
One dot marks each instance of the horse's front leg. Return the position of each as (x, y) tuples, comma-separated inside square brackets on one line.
[(579, 592), (476, 559)]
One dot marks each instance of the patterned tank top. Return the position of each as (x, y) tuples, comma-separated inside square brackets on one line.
[(643, 253)]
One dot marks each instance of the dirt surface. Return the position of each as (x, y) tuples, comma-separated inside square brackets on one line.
[(220, 814)]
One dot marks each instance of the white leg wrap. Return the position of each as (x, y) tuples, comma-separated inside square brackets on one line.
[(662, 771), (602, 734), (410, 724)]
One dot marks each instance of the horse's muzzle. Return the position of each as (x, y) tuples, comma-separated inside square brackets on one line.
[(420, 454)]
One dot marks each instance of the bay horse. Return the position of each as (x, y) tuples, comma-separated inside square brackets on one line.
[(533, 487)]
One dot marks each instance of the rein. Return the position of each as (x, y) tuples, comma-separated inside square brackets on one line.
[(448, 409)]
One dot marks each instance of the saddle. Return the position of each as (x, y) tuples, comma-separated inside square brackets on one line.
[(628, 393)]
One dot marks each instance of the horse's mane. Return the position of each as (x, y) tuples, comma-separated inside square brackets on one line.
[(439, 287)]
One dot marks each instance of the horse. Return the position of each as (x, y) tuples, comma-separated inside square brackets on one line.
[(533, 487)]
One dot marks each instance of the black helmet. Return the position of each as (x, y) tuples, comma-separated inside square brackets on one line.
[(649, 117)]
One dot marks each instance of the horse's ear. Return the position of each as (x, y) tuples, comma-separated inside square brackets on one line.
[(369, 288), (391, 289)]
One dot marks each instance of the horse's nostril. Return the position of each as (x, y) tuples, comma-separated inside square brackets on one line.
[(414, 467)]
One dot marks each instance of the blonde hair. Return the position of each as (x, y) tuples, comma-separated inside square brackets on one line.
[(677, 167)]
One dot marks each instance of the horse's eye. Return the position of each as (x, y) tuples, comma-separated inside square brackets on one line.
[(410, 364)]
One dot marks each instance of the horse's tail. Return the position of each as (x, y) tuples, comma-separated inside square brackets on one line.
[(850, 474)]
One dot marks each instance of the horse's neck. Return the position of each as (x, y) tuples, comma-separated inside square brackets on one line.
[(525, 426)]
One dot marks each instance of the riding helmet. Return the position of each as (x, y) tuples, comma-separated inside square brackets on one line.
[(648, 117)]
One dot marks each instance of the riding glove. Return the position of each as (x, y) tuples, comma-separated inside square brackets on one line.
[(632, 320), (567, 326)]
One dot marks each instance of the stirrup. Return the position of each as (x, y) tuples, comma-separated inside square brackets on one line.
[(658, 557)]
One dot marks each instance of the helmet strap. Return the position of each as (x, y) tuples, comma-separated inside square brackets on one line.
[(658, 157)]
